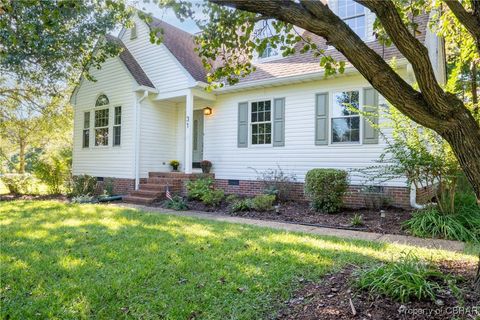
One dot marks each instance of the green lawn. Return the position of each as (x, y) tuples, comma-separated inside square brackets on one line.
[(61, 261)]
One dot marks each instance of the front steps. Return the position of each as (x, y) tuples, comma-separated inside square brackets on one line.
[(154, 187)]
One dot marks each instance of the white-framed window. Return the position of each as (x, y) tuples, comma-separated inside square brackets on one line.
[(117, 126), (101, 127), (269, 52), (86, 130), (354, 16), (345, 121), (261, 122)]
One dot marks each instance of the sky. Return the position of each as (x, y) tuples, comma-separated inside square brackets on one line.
[(167, 15)]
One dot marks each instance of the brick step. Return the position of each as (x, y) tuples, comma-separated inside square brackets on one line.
[(138, 200), (147, 193), (164, 181), (152, 186)]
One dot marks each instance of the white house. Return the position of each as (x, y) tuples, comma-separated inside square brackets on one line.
[(147, 108)]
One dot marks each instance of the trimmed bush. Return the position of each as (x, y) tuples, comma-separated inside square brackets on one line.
[(403, 280), (83, 185), (263, 202), (325, 188), (213, 197), (241, 205)]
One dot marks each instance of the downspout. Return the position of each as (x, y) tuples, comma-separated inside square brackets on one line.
[(137, 138), (413, 198)]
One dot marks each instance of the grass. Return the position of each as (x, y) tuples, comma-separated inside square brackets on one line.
[(62, 261), (403, 279)]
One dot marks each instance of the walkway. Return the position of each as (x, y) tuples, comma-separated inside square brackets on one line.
[(448, 245)]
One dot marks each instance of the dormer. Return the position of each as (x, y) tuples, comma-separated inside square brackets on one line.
[(356, 16)]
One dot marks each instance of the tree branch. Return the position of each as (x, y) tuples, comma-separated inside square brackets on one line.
[(471, 21), (317, 18)]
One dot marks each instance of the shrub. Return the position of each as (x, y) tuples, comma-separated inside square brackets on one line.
[(196, 189), (176, 203), (83, 185), (402, 280), (213, 197), (54, 170), (18, 183), (231, 198), (263, 202), (325, 188), (277, 182), (241, 205)]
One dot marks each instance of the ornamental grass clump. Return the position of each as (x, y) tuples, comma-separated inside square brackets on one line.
[(403, 280)]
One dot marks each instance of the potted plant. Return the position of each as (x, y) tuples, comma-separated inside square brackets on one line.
[(174, 164), (206, 166)]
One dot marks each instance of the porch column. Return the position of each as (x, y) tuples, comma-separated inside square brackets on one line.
[(188, 131)]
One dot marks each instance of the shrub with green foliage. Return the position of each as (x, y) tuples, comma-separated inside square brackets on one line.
[(357, 220), (325, 188), (202, 189), (277, 182), (463, 225), (403, 280), (196, 189), (241, 205), (263, 202), (83, 185), (53, 169), (18, 183), (176, 203), (213, 197), (108, 186)]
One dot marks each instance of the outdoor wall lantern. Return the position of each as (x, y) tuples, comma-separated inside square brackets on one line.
[(207, 111)]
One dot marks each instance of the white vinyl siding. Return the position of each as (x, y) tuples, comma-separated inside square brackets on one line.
[(114, 81), (161, 67), (300, 153)]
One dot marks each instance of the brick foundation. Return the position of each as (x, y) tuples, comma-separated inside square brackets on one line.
[(356, 197), (426, 194), (120, 185)]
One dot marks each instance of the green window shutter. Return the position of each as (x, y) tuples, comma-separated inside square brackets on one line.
[(242, 139), (370, 105), (321, 119), (279, 122)]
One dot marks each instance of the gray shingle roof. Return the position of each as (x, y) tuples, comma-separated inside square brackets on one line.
[(181, 44), (132, 65)]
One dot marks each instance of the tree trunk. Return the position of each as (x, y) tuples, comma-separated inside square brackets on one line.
[(464, 137), (473, 73), (21, 157)]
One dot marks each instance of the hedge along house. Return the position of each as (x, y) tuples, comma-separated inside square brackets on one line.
[(147, 107)]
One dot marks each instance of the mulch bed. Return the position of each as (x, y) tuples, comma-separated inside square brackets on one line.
[(299, 212), (10, 197), (330, 299)]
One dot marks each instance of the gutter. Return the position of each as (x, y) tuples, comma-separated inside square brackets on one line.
[(137, 137)]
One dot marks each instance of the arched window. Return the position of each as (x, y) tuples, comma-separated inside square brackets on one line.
[(102, 100)]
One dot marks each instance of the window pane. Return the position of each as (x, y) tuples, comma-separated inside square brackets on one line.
[(118, 115), (86, 120), (261, 139), (346, 129), (116, 135), (102, 101), (344, 101), (268, 138), (268, 127), (254, 139), (101, 137), (101, 118), (86, 138), (254, 107), (267, 116), (254, 117), (261, 117)]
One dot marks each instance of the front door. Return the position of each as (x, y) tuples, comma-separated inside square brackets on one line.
[(197, 145)]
